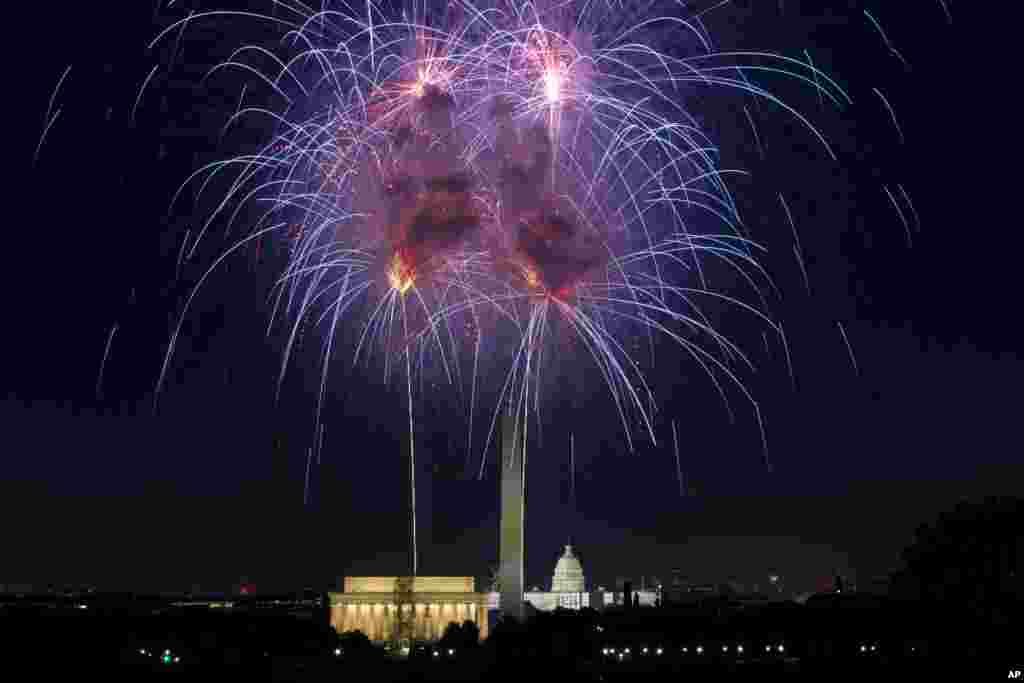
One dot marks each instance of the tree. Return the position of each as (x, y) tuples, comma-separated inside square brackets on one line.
[(452, 636), (971, 557), (460, 636), (470, 633), (354, 641), (403, 624)]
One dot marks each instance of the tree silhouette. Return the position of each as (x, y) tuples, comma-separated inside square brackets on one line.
[(470, 633), (452, 635), (460, 636), (970, 558), (403, 624)]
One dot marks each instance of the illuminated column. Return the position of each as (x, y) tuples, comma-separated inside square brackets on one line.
[(512, 489), (481, 619)]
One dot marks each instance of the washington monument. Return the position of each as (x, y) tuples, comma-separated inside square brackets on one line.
[(512, 498)]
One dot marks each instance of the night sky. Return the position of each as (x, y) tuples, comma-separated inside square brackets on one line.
[(209, 488)]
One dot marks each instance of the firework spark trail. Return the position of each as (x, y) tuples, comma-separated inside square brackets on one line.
[(320, 445), (172, 343), (849, 348), (814, 72), (103, 362), (305, 488), (753, 127), (679, 466), (891, 114), (181, 255), (910, 205), (945, 10), (142, 90), (177, 42), (572, 470), (48, 119), (888, 44), (899, 212), (797, 249), (789, 360)]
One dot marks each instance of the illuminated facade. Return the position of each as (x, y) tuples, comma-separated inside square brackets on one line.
[(568, 587), (390, 607)]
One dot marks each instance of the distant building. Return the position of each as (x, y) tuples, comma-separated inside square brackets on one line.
[(640, 598), (401, 608), (568, 586), (880, 585), (569, 590), (678, 587)]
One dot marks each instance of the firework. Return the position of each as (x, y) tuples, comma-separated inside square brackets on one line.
[(487, 180)]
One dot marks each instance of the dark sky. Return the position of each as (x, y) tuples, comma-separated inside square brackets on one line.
[(209, 488)]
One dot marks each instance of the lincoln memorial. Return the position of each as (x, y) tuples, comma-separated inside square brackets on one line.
[(390, 607)]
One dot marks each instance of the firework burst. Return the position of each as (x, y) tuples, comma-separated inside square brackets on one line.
[(482, 180)]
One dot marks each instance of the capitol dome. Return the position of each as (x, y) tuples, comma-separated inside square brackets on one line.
[(568, 576)]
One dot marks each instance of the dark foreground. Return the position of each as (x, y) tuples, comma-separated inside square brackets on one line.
[(844, 636)]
